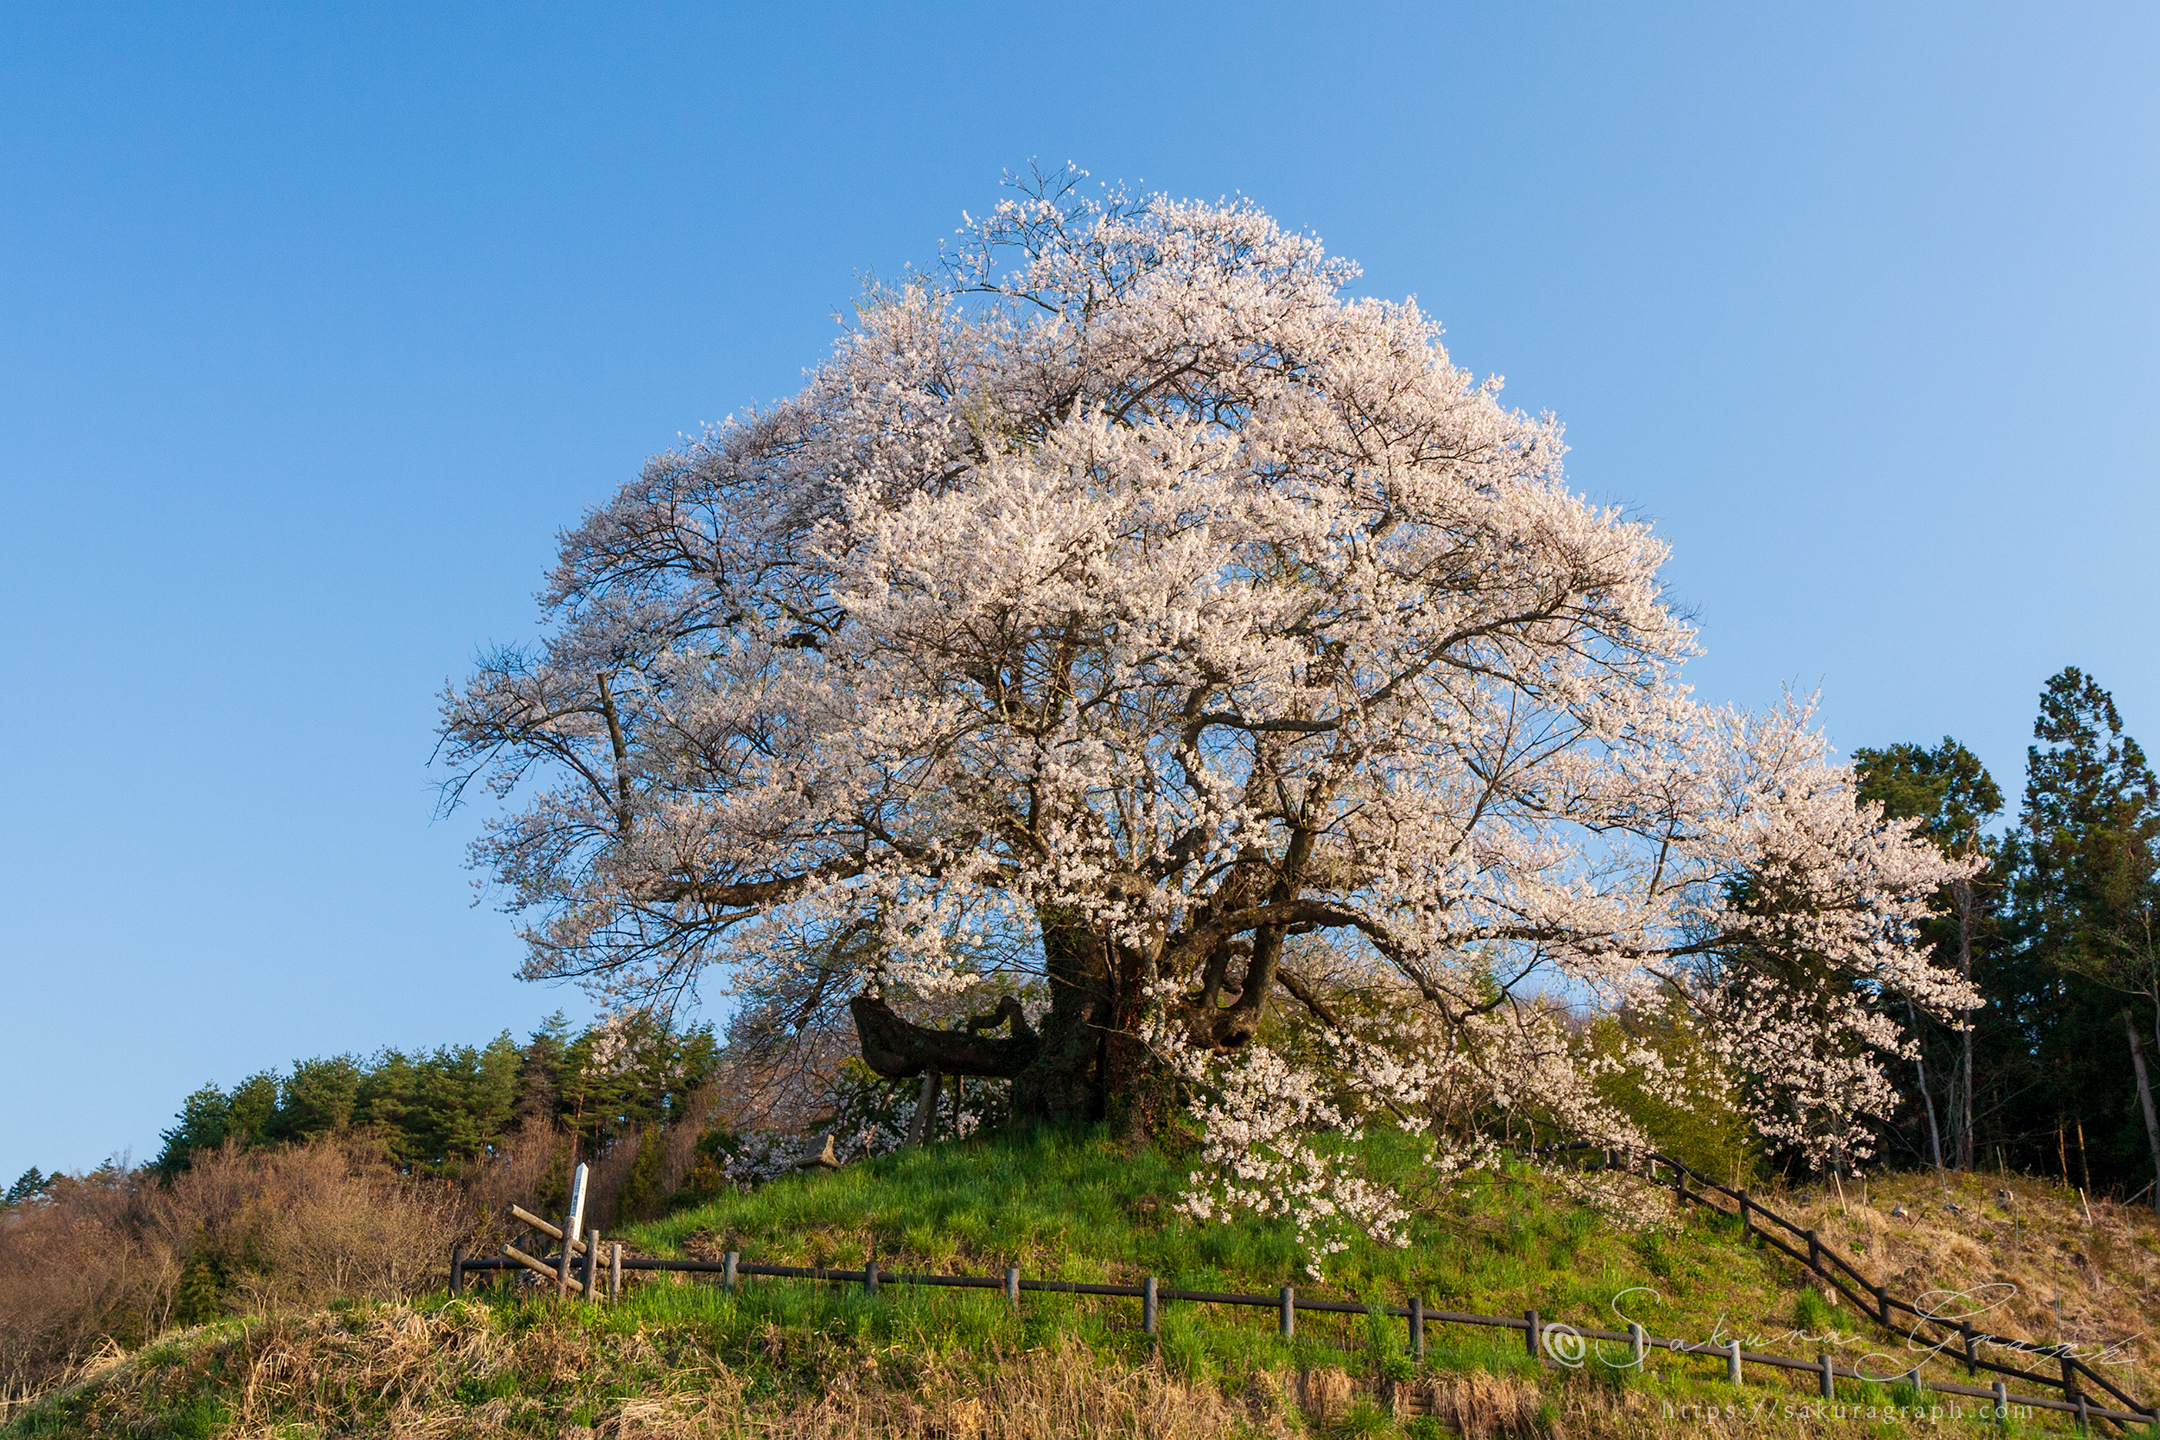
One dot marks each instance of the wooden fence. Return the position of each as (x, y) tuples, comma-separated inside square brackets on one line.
[(1873, 1299), (592, 1268)]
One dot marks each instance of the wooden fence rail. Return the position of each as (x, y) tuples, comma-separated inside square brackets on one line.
[(1872, 1299), (1538, 1333)]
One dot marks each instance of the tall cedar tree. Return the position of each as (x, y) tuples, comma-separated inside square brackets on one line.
[(2079, 985)]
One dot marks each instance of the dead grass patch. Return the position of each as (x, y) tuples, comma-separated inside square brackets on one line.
[(2043, 1265), (459, 1371)]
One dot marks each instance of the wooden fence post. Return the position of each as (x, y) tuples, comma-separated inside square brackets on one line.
[(1829, 1379), (1530, 1333), (1814, 1252), (1882, 1303), (2002, 1401), (590, 1272), (727, 1271), (1012, 1285), (1638, 1343), (1147, 1305), (1417, 1328), (614, 1277), (869, 1278), (1732, 1364), (1287, 1319), (457, 1269)]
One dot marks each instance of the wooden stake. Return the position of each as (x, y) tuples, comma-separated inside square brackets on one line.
[(538, 1267), (552, 1231)]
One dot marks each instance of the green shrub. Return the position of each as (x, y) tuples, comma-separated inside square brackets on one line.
[(1715, 1138)]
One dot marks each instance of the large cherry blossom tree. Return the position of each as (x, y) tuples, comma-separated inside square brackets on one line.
[(1127, 598)]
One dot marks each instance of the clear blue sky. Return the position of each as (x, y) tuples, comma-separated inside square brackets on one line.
[(315, 326)]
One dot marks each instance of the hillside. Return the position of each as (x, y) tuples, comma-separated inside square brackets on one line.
[(682, 1358)]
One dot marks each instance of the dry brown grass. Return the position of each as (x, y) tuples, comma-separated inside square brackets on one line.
[(84, 1271), (2029, 1244), (396, 1372), (466, 1370), (1475, 1406), (111, 1263)]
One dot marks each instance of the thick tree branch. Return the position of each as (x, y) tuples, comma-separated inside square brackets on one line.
[(899, 1049)]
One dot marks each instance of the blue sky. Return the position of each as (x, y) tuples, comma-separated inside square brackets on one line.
[(317, 323)]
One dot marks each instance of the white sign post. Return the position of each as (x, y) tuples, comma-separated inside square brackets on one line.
[(573, 1224), (577, 1207)]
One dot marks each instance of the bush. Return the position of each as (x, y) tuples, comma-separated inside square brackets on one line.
[(1715, 1136), (115, 1257)]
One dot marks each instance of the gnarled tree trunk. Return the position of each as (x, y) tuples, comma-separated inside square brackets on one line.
[(1059, 1072), (1088, 1059)]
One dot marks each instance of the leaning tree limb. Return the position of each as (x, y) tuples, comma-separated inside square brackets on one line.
[(899, 1049)]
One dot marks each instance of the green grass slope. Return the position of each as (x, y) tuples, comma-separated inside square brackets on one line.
[(681, 1358)]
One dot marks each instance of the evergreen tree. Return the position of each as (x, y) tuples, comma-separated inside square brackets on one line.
[(205, 1119), (30, 1185), (316, 1099), (2081, 983), (1954, 798), (442, 1109)]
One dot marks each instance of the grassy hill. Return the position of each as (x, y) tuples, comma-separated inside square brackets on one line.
[(681, 1358)]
